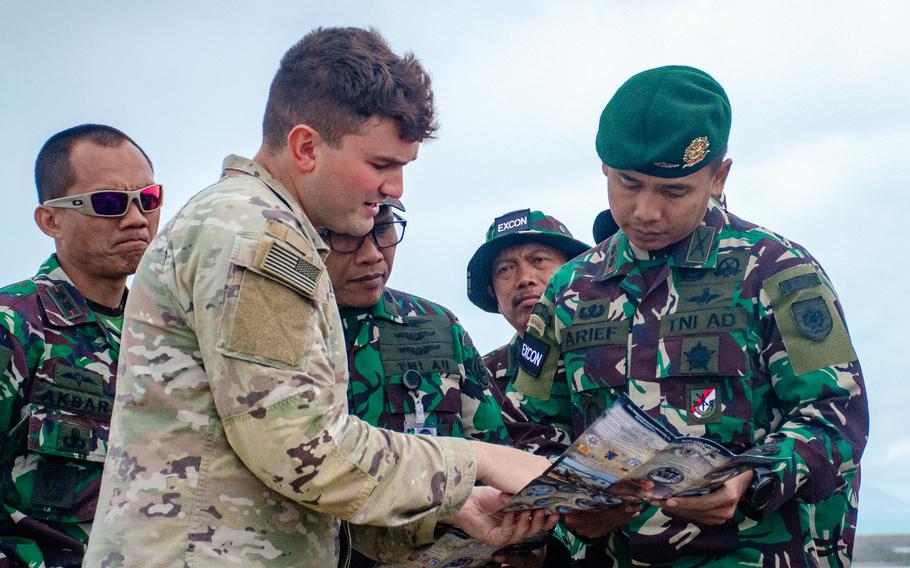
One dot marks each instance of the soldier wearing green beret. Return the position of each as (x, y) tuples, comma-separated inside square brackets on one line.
[(715, 327)]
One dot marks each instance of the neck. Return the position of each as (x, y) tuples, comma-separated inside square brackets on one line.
[(105, 291), (278, 169)]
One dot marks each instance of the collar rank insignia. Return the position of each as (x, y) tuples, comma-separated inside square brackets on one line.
[(696, 151)]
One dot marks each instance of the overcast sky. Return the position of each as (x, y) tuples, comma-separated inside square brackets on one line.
[(821, 127)]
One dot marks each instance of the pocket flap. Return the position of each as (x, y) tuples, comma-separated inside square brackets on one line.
[(438, 392), (58, 432)]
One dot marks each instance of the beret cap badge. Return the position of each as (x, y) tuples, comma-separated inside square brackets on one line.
[(696, 151)]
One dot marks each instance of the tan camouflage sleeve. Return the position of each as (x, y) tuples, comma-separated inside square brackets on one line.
[(273, 350)]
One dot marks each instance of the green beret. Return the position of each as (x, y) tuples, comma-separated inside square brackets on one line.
[(667, 122), (515, 228)]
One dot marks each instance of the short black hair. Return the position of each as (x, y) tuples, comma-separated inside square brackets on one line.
[(53, 171), (334, 79)]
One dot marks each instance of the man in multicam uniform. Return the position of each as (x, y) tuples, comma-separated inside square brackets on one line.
[(413, 368), (230, 440), (715, 327), (59, 339)]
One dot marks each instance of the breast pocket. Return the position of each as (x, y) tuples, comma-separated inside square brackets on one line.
[(439, 394), (707, 388), (66, 440)]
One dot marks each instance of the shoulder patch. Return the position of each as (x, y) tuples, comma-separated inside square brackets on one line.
[(288, 265), (540, 319), (533, 353), (810, 325)]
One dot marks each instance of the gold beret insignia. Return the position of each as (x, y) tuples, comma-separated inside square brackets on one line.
[(696, 151)]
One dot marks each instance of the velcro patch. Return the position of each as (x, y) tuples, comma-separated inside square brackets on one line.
[(540, 319), (532, 355), (55, 485), (810, 325), (75, 400), (512, 222), (284, 263), (699, 355), (79, 379), (799, 283)]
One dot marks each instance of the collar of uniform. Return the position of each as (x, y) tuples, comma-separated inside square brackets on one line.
[(249, 167), (698, 250), (62, 303), (514, 353), (386, 308)]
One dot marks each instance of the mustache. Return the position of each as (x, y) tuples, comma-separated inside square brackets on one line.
[(519, 299)]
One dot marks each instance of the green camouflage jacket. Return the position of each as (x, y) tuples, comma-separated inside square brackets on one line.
[(231, 443), (735, 334), (59, 367), (530, 433), (405, 338)]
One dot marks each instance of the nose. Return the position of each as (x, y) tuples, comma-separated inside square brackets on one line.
[(134, 217), (393, 184), (368, 253), (648, 207), (526, 275)]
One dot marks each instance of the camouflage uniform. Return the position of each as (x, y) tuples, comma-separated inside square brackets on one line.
[(734, 334), (403, 338), (59, 368), (532, 433), (231, 442)]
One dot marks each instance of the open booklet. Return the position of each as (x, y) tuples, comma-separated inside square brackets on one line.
[(456, 549), (625, 455)]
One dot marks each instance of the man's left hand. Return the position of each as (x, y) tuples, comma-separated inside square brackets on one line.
[(715, 508)]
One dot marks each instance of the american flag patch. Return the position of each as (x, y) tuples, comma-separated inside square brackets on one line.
[(285, 264)]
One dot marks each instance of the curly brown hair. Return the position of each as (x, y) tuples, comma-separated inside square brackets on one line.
[(334, 79)]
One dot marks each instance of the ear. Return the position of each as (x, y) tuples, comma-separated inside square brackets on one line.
[(303, 141), (720, 178), (47, 221)]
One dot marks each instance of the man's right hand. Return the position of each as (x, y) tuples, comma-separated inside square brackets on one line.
[(595, 524), (480, 518), (505, 468)]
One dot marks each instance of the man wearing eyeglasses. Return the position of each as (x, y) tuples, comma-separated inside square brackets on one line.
[(413, 367), (60, 337), (231, 443)]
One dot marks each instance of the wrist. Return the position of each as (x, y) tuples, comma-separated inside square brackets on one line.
[(758, 493)]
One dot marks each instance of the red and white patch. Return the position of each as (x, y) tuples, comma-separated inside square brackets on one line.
[(703, 403)]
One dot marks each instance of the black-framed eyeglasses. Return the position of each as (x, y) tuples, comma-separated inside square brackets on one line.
[(386, 234)]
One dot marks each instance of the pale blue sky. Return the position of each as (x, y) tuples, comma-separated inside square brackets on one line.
[(821, 128)]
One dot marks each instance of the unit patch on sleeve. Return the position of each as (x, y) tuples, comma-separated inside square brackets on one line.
[(811, 327), (533, 353)]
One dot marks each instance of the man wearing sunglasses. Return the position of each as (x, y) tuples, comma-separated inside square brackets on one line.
[(231, 443), (413, 368), (60, 337)]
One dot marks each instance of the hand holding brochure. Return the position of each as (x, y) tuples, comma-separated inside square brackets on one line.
[(625, 455)]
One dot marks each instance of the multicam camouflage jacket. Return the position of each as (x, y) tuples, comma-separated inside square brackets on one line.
[(59, 367), (734, 334), (530, 433), (413, 368), (230, 442)]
